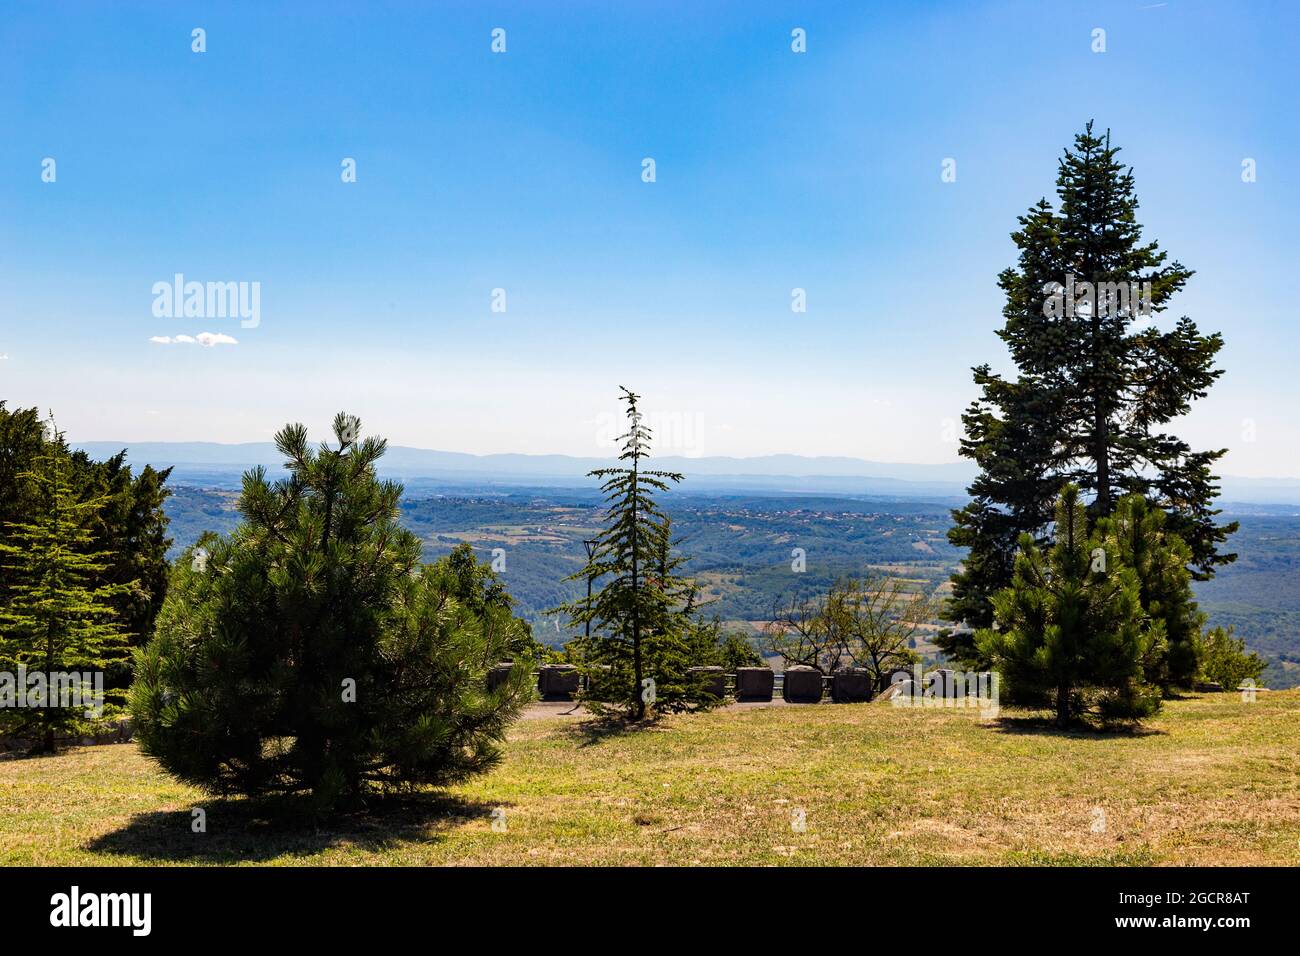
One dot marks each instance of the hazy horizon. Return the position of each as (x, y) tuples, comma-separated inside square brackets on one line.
[(832, 475)]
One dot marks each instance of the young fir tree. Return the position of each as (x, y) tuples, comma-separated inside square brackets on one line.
[(56, 618), (641, 619), (685, 638), (1070, 631), (1096, 382), (310, 652), (1135, 537)]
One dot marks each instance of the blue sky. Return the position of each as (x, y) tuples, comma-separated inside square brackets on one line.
[(522, 171)]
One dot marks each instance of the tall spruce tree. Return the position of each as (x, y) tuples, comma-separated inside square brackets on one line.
[(1070, 631), (57, 616), (1096, 383), (642, 619), (311, 653)]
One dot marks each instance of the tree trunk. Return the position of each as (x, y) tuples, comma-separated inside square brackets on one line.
[(636, 624), (1100, 426), (1063, 704), (47, 712)]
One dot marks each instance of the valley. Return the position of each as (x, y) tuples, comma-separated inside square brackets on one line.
[(741, 550)]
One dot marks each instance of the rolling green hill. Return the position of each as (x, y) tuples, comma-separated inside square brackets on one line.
[(741, 551)]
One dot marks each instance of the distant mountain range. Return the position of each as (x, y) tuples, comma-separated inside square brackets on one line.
[(218, 465)]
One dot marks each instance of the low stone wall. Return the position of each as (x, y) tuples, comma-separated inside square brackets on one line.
[(108, 732), (800, 683)]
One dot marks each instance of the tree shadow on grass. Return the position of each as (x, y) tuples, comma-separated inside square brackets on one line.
[(1040, 726), (240, 831), (596, 730)]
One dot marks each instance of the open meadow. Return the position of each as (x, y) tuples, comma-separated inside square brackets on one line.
[(1212, 781)]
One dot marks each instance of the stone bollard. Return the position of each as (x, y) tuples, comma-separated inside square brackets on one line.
[(803, 684), (557, 681), (712, 679), (851, 685), (754, 683), (499, 674)]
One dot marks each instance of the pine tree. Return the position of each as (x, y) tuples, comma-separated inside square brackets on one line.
[(1012, 495), (1135, 537), (683, 637), (1070, 631), (310, 653), (1225, 660), (1094, 386), (642, 618), (56, 618)]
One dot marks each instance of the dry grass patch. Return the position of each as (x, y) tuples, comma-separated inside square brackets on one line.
[(1211, 781)]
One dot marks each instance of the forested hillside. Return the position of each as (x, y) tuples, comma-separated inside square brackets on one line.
[(741, 548)]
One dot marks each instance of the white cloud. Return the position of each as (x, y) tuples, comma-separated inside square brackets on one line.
[(206, 339), (209, 339)]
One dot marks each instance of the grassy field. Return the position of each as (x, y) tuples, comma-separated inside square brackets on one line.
[(1212, 781)]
